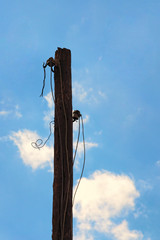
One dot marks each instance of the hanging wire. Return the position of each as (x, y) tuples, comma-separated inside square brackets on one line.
[(51, 85), (50, 62), (75, 152), (44, 79), (39, 142), (83, 162)]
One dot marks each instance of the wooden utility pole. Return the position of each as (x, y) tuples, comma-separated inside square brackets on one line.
[(63, 148)]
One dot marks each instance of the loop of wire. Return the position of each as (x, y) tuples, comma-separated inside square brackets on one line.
[(39, 142)]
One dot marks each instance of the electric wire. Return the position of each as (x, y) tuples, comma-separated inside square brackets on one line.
[(52, 86), (44, 68), (75, 152), (39, 142), (83, 162)]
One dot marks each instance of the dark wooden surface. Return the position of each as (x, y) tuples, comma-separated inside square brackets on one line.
[(63, 180)]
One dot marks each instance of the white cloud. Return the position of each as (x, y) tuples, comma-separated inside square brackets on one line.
[(17, 112), (87, 95), (49, 115), (141, 211), (121, 232), (101, 199), (98, 132), (88, 145), (102, 94), (49, 100), (144, 185), (4, 113), (32, 157), (79, 92), (4, 138), (14, 112)]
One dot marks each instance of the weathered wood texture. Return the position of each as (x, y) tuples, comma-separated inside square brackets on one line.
[(63, 147)]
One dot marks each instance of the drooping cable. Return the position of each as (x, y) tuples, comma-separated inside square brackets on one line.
[(39, 142), (44, 79), (83, 162), (75, 152), (51, 85)]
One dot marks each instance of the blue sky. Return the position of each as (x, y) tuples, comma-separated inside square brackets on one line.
[(115, 48)]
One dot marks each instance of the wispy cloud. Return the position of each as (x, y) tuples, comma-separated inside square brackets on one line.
[(141, 211), (144, 185), (79, 92), (49, 100), (122, 232), (87, 95), (49, 115), (88, 145), (32, 157), (4, 113), (80, 151), (17, 112), (4, 138), (100, 201), (14, 111), (102, 94)]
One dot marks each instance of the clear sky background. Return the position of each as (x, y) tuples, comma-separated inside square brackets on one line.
[(115, 48)]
